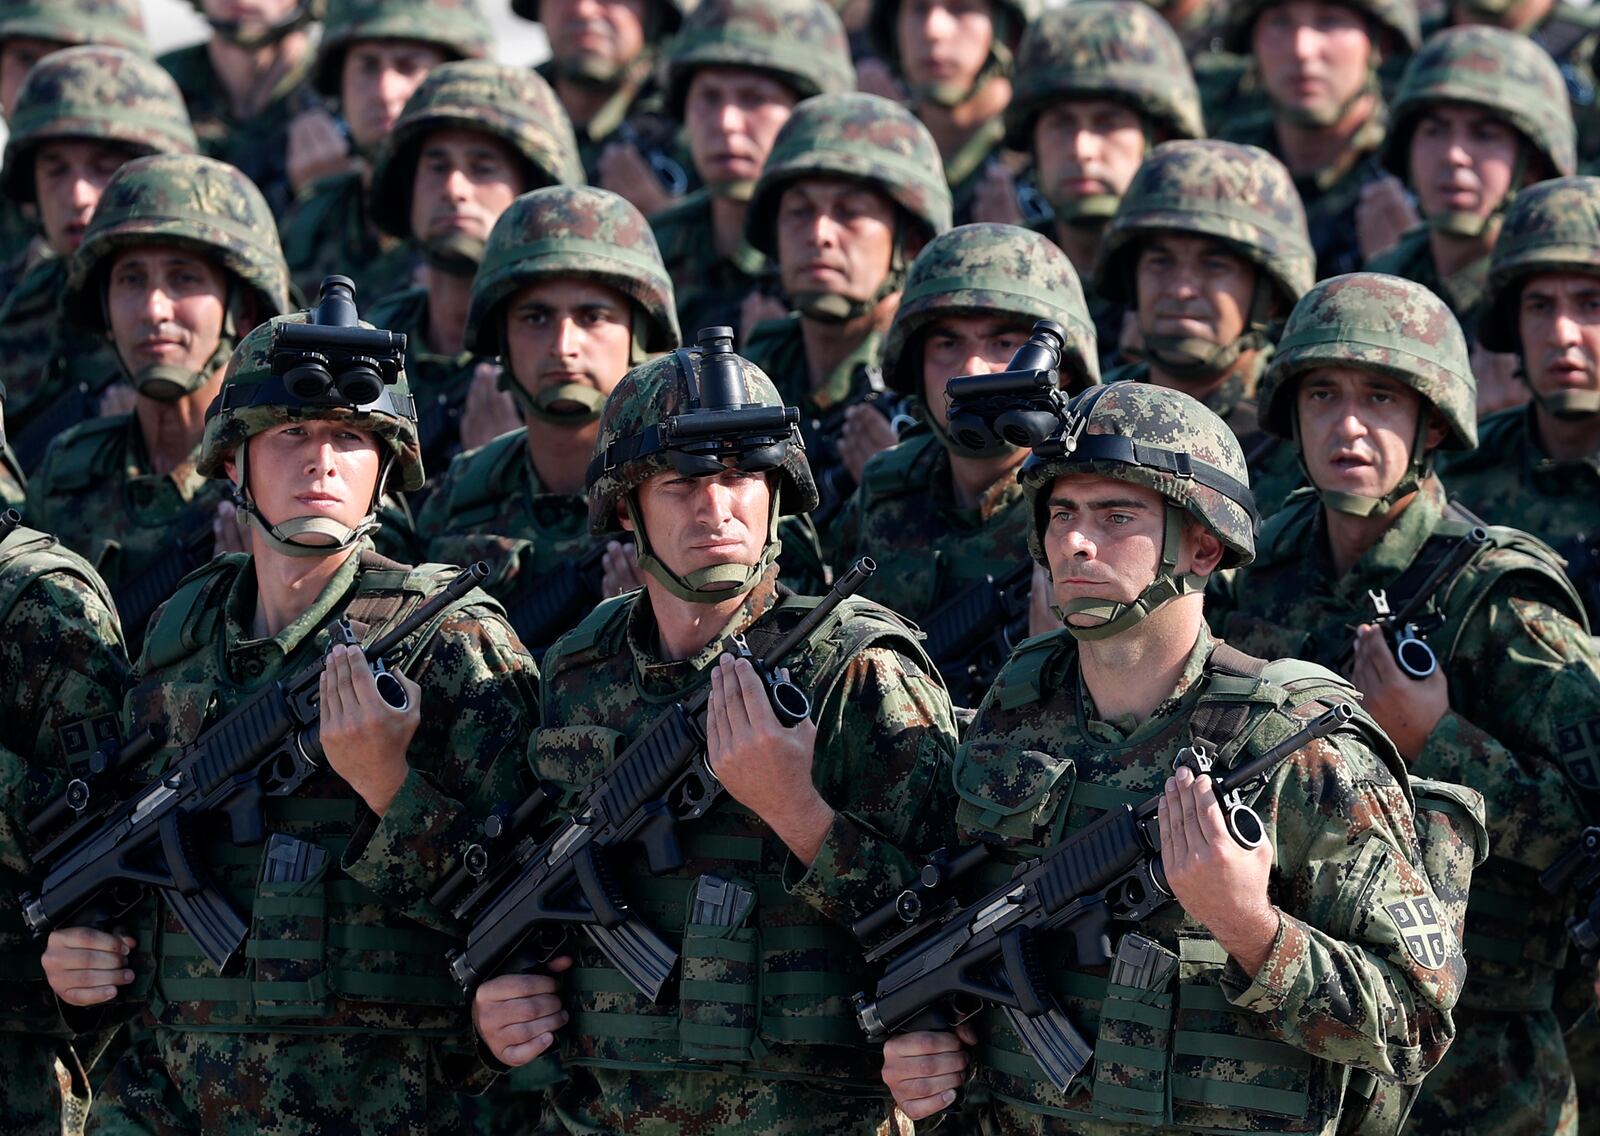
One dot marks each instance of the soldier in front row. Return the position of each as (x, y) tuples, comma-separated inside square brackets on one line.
[(1282, 971)]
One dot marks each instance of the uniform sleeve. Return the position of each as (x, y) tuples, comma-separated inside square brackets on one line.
[(479, 705), (1364, 970), (885, 745)]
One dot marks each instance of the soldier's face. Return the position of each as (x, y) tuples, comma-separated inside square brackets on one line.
[(17, 57), (316, 468), (953, 346), (834, 235), (1558, 318), (700, 522), (166, 305), (944, 43), (1313, 57), (464, 181), (1193, 287), (68, 179), (377, 79), (1357, 428), (568, 331), (732, 116), (250, 13), (1462, 159), (1086, 148), (606, 34)]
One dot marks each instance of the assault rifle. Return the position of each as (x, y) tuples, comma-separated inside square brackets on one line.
[(971, 634), (10, 521), (137, 598), (114, 847), (520, 896), (949, 961), (547, 606), (1579, 869)]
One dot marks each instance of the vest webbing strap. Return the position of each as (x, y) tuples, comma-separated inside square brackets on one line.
[(1225, 1094), (1156, 1017), (811, 1031), (701, 990), (1138, 1057), (1123, 1102), (648, 1027), (1195, 1043), (1492, 948), (1104, 797), (809, 983)]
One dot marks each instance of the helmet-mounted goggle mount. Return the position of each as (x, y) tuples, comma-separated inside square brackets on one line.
[(1022, 406)]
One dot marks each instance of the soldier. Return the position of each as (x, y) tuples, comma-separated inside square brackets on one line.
[(372, 56), (945, 521), (473, 137), (1318, 62), (818, 818), (82, 113), (343, 1017), (571, 294), (179, 262), (734, 74), (1371, 379), (1097, 84), (13, 483), (955, 60), (1209, 249), (62, 670), (1283, 972), (849, 195), (245, 83)]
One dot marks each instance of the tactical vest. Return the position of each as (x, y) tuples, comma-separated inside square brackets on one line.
[(769, 997), (1182, 1054), (325, 954)]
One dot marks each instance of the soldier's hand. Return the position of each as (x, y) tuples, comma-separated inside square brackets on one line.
[(1408, 709), (765, 765), (756, 308), (924, 1070), (317, 148), (619, 568), (84, 966), (517, 1015), (865, 432), (627, 173), (1041, 597), (364, 737), (489, 411), (1220, 883), (229, 532), (1383, 215), (1498, 385), (995, 197)]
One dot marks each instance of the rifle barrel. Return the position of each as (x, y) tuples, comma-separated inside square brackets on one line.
[(844, 587), (10, 521)]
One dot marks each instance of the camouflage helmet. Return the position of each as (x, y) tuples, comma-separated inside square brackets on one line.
[(456, 27), (988, 269), (119, 23), (801, 43), (1104, 49), (669, 13), (99, 93), (861, 137), (565, 231), (1399, 18), (249, 36), (512, 104), (1010, 18), (1499, 71), (1551, 227)]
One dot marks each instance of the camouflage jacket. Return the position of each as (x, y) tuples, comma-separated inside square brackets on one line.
[(327, 233), (1463, 292), (760, 1035), (17, 232), (1342, 987), (709, 288), (635, 112)]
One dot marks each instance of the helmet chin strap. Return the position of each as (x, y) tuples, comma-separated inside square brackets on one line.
[(1566, 405), (1463, 223), (454, 254), (233, 31), (1356, 505), (1168, 584), (588, 400), (713, 584), (1190, 358), (287, 538)]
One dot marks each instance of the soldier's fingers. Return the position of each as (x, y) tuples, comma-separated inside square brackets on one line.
[(921, 1088), (86, 995), (73, 960), (522, 1054), (332, 711), (513, 1021), (1169, 819), (922, 1042), (926, 1107), (88, 938), (511, 987), (752, 694), (1189, 804), (1211, 825)]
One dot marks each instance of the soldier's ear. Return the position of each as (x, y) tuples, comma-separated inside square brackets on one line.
[(1438, 430), (622, 516), (1205, 550)]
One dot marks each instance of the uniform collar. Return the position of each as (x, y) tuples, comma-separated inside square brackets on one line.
[(662, 679), (1395, 549), (250, 658), (1541, 468), (1125, 728)]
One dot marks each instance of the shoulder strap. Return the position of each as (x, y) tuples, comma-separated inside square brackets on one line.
[(596, 634), (854, 625), (1021, 680), (28, 554), (387, 592), (188, 620), (900, 469), (84, 455), (482, 478)]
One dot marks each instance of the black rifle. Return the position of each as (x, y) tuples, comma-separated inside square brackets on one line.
[(971, 634), (547, 606), (1579, 869), (137, 598), (114, 847), (952, 960), (10, 521), (522, 904)]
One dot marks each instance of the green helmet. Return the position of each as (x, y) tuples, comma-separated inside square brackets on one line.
[(564, 232), (667, 14), (1397, 17), (245, 35), (70, 23), (99, 93), (691, 411), (456, 27), (1163, 440), (987, 269), (1237, 194), (1010, 18), (1104, 49), (511, 104), (801, 43), (1381, 323)]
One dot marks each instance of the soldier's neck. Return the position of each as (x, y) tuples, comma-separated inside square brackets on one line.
[(1566, 439), (449, 296), (1308, 150), (1518, 18), (727, 224), (972, 479), (583, 100), (249, 75), (560, 454), (830, 344), (686, 628), (1081, 243), (1452, 254), (1202, 389), (953, 127), (1136, 671), (172, 430), (287, 585), (1349, 536)]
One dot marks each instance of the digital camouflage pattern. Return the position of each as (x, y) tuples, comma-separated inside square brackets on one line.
[(456, 27), (1462, 291), (63, 669), (511, 104), (710, 287), (72, 22), (1551, 227), (801, 43), (329, 232)]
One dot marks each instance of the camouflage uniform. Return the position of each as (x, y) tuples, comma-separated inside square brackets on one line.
[(872, 140), (905, 516), (63, 670), (1245, 199), (1119, 50), (1508, 76), (327, 230), (13, 484), (341, 1016), (1510, 623), (758, 1035), (102, 94), (1342, 993), (799, 43), (513, 106)]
